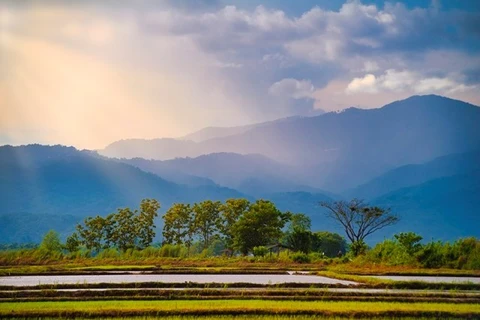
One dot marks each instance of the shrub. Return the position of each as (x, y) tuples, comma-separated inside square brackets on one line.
[(300, 257), (260, 251)]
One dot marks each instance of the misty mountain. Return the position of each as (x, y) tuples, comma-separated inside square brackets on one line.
[(252, 174), (42, 180), (413, 174), (443, 208), (219, 132), (338, 151), (170, 173)]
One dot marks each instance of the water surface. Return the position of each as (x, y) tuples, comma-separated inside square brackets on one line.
[(169, 278)]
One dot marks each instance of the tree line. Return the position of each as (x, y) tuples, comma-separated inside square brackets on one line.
[(237, 224)]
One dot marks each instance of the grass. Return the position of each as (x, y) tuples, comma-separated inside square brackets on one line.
[(234, 307)]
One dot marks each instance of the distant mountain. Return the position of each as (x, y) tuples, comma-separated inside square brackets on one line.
[(64, 181), (251, 174), (338, 151), (413, 174), (159, 149), (162, 169), (219, 132), (443, 208)]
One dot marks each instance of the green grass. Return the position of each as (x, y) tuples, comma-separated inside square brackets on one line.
[(212, 307)]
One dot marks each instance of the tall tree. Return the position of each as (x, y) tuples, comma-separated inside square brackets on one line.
[(124, 229), (299, 221), (359, 220), (232, 210), (298, 236), (206, 220), (72, 243), (178, 224), (92, 232), (261, 225), (146, 222)]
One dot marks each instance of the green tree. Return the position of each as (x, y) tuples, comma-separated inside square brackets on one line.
[(146, 222), (232, 210), (410, 241), (206, 220), (93, 232), (298, 236), (300, 240), (359, 220), (73, 243), (51, 242), (124, 229), (261, 225), (300, 222), (329, 243), (178, 224)]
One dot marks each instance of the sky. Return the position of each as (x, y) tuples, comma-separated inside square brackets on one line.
[(87, 73)]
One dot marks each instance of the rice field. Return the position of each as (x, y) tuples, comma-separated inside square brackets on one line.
[(234, 307)]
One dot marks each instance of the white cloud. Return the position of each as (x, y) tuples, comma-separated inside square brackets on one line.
[(404, 81), (292, 88), (366, 84)]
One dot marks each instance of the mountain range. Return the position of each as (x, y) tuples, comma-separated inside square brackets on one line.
[(338, 151), (419, 156)]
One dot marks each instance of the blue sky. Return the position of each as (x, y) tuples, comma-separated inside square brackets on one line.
[(87, 73)]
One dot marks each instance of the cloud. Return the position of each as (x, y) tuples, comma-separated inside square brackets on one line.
[(365, 84), (292, 88), (87, 73), (405, 80)]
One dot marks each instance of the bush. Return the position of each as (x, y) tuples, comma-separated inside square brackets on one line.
[(300, 257), (260, 251), (390, 252), (432, 255)]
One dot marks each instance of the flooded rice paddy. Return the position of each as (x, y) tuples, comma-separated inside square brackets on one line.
[(168, 278)]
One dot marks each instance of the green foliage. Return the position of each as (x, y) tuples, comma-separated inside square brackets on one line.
[(261, 225), (125, 229), (260, 251), (206, 220), (328, 243), (232, 210), (73, 243), (300, 257), (300, 240), (145, 222), (432, 255), (410, 241), (462, 254), (51, 242), (92, 233), (177, 228), (390, 252), (358, 247), (299, 222)]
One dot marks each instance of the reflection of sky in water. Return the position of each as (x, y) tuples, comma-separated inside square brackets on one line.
[(167, 278)]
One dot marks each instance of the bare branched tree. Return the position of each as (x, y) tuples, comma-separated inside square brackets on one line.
[(358, 219)]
